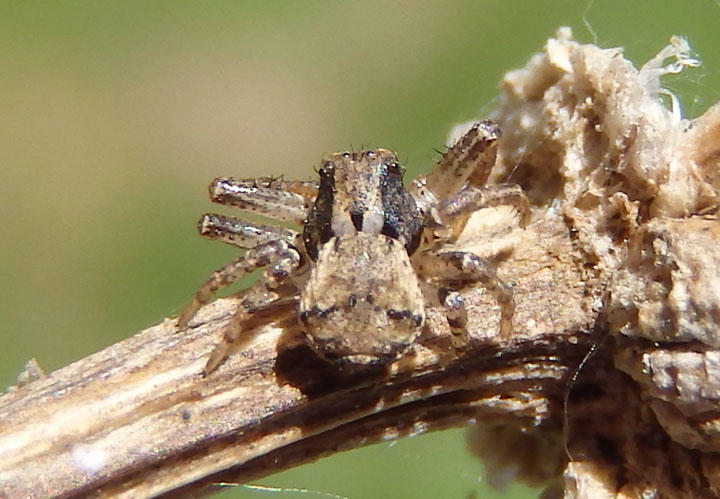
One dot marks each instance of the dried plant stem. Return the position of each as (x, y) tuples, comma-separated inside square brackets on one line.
[(138, 419)]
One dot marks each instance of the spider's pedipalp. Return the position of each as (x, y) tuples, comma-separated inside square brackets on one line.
[(240, 233), (271, 200)]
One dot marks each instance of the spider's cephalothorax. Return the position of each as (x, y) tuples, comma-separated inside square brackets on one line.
[(362, 303), (352, 276)]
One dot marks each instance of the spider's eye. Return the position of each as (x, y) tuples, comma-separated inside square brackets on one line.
[(394, 167), (325, 169)]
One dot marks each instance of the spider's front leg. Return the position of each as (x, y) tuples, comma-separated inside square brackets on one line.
[(455, 270), (468, 162), (447, 197), (284, 200)]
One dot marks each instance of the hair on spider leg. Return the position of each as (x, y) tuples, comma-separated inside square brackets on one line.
[(269, 181), (441, 152), (279, 179)]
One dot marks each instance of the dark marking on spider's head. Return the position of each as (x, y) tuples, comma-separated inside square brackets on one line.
[(362, 192)]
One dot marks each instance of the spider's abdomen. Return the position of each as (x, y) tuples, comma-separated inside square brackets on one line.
[(362, 303)]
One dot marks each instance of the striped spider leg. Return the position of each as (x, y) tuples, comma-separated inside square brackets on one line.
[(277, 249), (448, 196)]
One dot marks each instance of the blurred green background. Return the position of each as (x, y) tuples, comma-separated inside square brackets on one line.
[(114, 116)]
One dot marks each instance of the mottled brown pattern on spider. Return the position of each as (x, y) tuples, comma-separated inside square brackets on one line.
[(353, 276)]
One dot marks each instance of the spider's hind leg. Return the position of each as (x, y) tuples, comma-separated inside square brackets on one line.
[(266, 299), (283, 256), (456, 315), (456, 270), (258, 305), (456, 211)]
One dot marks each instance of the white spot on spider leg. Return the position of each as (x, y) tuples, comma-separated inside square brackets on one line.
[(88, 459)]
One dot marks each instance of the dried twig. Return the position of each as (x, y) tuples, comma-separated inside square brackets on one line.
[(138, 419)]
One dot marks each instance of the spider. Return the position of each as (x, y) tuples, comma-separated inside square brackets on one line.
[(353, 275)]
